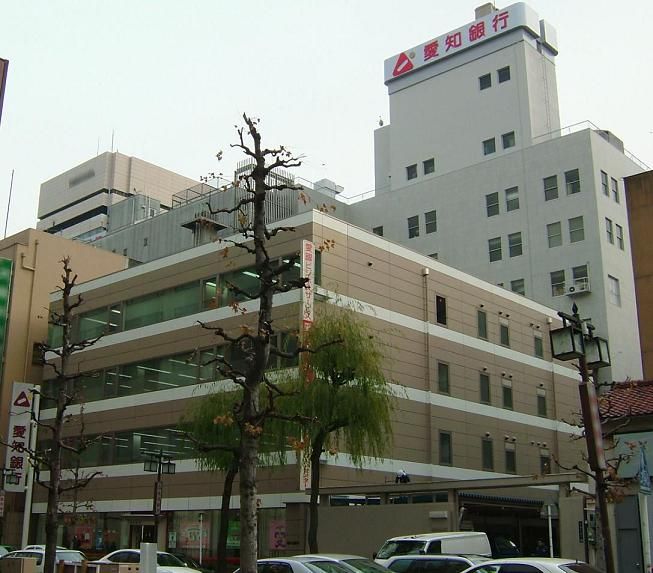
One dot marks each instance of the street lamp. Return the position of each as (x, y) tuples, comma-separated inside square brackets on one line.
[(161, 464), (576, 340)]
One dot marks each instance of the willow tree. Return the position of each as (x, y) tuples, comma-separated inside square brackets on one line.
[(344, 390)]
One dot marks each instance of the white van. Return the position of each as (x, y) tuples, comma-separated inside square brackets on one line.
[(446, 542)]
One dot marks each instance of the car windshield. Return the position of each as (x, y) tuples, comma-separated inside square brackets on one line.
[(326, 567), (434, 565), (365, 565), (578, 568), (168, 560), (74, 556), (400, 547)]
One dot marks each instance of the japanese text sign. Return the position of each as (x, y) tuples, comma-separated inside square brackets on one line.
[(19, 433)]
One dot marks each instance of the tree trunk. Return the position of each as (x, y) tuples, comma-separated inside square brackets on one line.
[(316, 452), (248, 517), (223, 533)]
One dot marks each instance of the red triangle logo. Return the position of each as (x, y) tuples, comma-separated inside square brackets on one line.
[(402, 65), (22, 400)]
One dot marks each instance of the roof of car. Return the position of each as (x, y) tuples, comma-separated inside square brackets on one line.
[(336, 556), (438, 535), (544, 560)]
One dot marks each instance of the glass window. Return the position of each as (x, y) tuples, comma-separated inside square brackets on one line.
[(538, 346), (440, 310), (489, 146), (545, 464), (508, 139), (576, 230), (554, 234), (506, 394), (209, 293), (378, 230), (504, 334), (93, 323), (484, 383), (503, 74), (514, 244), (485, 81), (615, 189), (511, 462), (620, 236), (604, 183), (446, 454), (431, 220), (492, 204), (541, 403), (557, 283), (411, 171), (494, 248), (580, 276), (572, 181), (443, 378), (487, 454), (429, 166), (609, 231), (518, 286), (481, 320), (512, 199), (614, 290), (550, 187), (413, 227)]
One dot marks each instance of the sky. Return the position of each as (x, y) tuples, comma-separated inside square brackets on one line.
[(167, 80)]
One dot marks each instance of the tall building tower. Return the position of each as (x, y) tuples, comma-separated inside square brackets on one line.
[(475, 170)]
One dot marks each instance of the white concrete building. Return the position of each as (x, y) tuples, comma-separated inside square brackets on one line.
[(474, 170)]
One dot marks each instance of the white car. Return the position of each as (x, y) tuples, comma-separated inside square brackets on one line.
[(66, 555), (295, 565), (166, 562), (433, 563), (355, 563), (533, 565)]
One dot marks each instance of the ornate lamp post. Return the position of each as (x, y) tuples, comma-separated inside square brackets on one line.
[(161, 464), (576, 340)]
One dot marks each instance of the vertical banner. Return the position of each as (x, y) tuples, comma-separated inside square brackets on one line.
[(4, 66), (20, 417), (5, 291)]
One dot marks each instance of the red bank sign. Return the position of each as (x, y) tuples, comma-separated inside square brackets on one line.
[(4, 64), (499, 22)]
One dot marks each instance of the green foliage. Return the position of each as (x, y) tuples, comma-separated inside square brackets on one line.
[(344, 388)]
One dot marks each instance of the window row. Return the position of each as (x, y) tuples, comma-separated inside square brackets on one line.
[(504, 333), (614, 231), (515, 247), (575, 228), (430, 224), (611, 188), (579, 281), (446, 454), (572, 184), (183, 300), (428, 167), (507, 141), (485, 81), (511, 198)]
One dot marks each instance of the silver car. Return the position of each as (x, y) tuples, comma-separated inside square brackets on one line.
[(433, 563), (295, 565), (355, 563), (533, 565)]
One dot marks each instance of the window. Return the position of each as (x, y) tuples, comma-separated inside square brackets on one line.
[(514, 244), (550, 187), (576, 230), (557, 283), (620, 236), (506, 395), (485, 81), (411, 171), (614, 290), (504, 334), (446, 453), (494, 248), (604, 183), (145, 241), (511, 459), (615, 189), (481, 321), (538, 346), (508, 139), (545, 462), (443, 378), (124, 252), (378, 230), (484, 383), (554, 234), (541, 402), (492, 204), (518, 286), (608, 231), (580, 276), (487, 454), (572, 181), (512, 199), (429, 166), (503, 74), (440, 310), (489, 146), (431, 222), (413, 227)]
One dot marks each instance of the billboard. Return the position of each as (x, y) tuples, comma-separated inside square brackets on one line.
[(4, 65)]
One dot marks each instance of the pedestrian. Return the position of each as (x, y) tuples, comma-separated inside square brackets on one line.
[(541, 550)]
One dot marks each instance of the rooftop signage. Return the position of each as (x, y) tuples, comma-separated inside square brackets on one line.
[(498, 22)]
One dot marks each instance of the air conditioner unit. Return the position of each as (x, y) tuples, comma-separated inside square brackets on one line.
[(578, 288)]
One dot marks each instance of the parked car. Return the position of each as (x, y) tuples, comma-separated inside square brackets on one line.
[(433, 563), (439, 543), (66, 555), (4, 549), (533, 565), (39, 547), (166, 562), (295, 565), (355, 563), (188, 561)]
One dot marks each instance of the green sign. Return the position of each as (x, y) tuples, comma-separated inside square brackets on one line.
[(233, 534), (5, 290)]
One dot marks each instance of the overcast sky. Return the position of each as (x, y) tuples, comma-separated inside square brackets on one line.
[(171, 78)]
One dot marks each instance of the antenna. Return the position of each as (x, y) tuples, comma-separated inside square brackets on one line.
[(98, 146), (11, 186), (113, 132)]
